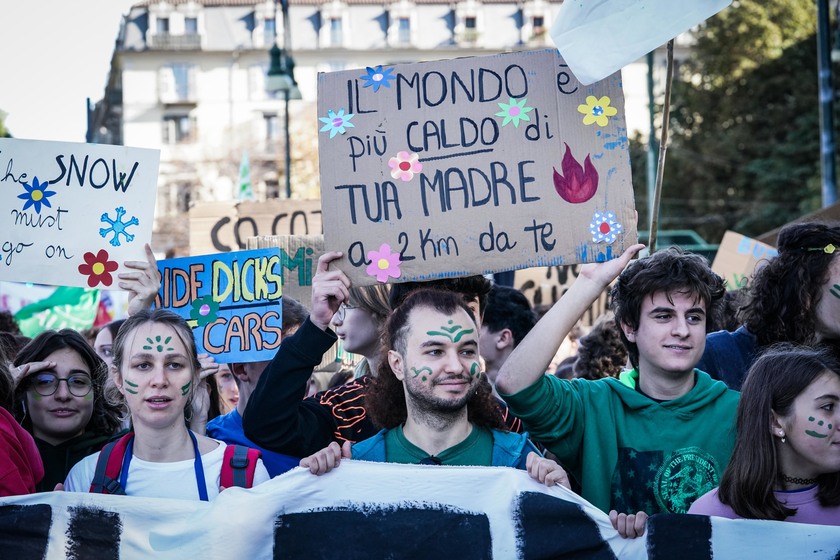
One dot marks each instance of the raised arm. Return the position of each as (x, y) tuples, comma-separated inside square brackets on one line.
[(277, 416), (529, 360), (142, 284)]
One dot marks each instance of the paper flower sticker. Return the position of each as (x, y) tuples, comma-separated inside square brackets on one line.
[(597, 111), (604, 228), (404, 165), (514, 111), (337, 123), (98, 268), (377, 78), (383, 263), (36, 195), (204, 310)]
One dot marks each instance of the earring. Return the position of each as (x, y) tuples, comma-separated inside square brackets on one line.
[(782, 434)]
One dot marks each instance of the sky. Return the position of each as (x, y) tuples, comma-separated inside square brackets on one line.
[(53, 55)]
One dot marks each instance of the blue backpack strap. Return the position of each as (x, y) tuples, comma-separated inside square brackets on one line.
[(238, 466), (106, 475)]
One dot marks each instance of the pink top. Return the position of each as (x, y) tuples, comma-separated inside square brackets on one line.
[(808, 508)]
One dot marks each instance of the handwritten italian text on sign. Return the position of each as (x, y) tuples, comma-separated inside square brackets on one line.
[(231, 300), (71, 214), (472, 166)]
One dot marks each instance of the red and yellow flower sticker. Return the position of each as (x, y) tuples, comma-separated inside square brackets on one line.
[(98, 268)]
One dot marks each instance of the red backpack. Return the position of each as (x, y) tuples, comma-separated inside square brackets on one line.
[(238, 467)]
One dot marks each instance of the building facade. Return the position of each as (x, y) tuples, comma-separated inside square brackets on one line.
[(188, 77)]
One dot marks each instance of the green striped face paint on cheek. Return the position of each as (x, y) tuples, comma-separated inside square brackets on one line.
[(835, 291), (89, 396), (36, 396), (422, 372), (814, 433), (475, 370), (130, 387), (185, 388), (451, 331)]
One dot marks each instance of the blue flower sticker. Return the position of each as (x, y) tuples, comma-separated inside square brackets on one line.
[(36, 195), (377, 78), (336, 123)]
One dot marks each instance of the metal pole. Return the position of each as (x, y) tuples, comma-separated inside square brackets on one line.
[(827, 144), (288, 150)]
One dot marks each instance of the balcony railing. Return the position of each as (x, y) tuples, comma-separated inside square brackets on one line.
[(170, 42)]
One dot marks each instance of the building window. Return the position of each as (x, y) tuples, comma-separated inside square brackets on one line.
[(272, 130), (470, 23), (178, 129), (272, 189), (184, 198), (177, 83), (538, 24), (336, 36), (162, 25), (190, 26), (269, 31), (404, 30)]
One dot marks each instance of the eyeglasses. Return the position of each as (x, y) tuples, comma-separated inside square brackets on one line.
[(342, 311), (828, 249), (46, 384)]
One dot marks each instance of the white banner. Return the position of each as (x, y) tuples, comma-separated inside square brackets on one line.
[(377, 510)]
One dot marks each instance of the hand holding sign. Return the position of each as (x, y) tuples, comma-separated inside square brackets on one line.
[(330, 288)]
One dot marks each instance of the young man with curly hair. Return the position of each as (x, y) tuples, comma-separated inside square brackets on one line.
[(660, 436)]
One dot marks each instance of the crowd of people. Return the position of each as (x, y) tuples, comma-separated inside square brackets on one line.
[(655, 413)]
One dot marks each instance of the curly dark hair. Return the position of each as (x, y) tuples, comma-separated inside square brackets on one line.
[(385, 400), (671, 270), (8, 323), (106, 417), (470, 287), (601, 353), (784, 294)]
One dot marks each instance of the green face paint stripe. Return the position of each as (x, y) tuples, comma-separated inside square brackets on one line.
[(449, 332), (417, 372), (127, 390), (462, 333), (835, 291), (130, 384), (815, 434), (89, 396), (185, 388), (811, 419), (37, 396), (473, 369)]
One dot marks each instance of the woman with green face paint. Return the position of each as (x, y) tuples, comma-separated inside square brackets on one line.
[(59, 399), (786, 462), (156, 371)]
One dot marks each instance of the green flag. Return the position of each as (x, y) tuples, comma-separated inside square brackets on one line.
[(72, 308), (245, 191)]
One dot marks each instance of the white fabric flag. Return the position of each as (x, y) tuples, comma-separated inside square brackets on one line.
[(599, 37)]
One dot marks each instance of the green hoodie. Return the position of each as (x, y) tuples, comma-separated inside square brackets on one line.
[(629, 452)]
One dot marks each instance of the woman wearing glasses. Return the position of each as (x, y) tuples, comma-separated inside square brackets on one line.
[(59, 400), (359, 325)]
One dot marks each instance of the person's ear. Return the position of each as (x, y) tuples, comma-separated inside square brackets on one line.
[(628, 331), (777, 425), (504, 339), (395, 360), (116, 377)]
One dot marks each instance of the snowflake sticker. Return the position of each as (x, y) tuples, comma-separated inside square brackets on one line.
[(383, 263), (118, 227), (98, 268), (204, 310), (337, 123), (404, 165), (597, 110), (377, 78), (514, 111), (604, 228), (36, 195)]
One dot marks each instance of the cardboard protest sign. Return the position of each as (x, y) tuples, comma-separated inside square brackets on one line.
[(231, 300), (73, 213), (298, 258), (739, 257), (544, 285), (471, 166), (217, 227), (634, 28)]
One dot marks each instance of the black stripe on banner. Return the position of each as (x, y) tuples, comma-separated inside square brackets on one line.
[(683, 536), (427, 532), (25, 531), (93, 533), (548, 527)]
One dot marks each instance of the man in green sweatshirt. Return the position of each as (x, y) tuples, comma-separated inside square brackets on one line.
[(658, 437)]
